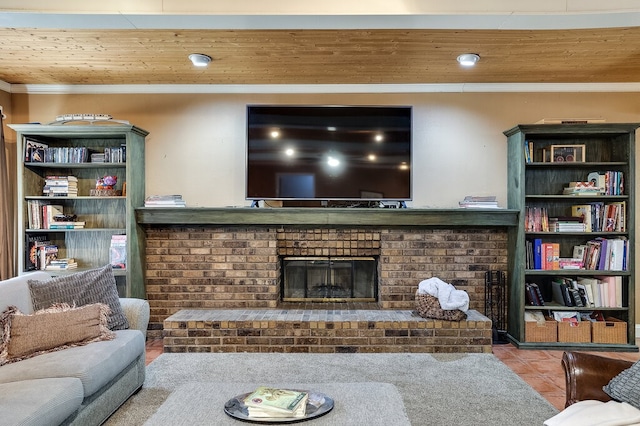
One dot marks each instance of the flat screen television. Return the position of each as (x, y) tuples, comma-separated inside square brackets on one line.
[(328, 152)]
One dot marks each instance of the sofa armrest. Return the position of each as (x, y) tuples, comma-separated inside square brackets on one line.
[(137, 313), (586, 374)]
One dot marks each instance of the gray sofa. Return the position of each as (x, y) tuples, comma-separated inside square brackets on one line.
[(81, 385)]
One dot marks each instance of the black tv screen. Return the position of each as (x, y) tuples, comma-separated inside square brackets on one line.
[(328, 152)]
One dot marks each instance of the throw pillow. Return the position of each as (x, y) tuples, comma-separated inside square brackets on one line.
[(58, 327), (625, 387), (81, 288)]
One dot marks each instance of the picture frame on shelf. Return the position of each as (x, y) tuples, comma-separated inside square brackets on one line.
[(567, 153)]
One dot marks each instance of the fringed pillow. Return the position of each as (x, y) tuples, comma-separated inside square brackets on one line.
[(58, 327), (81, 288)]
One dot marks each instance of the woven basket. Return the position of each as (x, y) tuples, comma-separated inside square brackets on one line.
[(610, 331), (429, 307), (537, 332), (579, 332)]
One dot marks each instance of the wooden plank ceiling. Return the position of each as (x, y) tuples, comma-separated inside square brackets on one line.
[(45, 56)]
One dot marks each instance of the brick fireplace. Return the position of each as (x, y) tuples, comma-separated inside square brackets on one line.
[(213, 266)]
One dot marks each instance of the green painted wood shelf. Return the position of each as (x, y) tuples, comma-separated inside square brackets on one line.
[(328, 217)]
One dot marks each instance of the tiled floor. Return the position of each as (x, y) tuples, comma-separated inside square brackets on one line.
[(540, 368)]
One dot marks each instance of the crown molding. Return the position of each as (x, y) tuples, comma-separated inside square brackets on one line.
[(471, 20), (53, 89), (5, 87)]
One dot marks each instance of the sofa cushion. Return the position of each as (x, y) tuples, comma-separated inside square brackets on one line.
[(81, 288), (95, 364), (15, 291), (55, 328), (39, 402), (625, 387)]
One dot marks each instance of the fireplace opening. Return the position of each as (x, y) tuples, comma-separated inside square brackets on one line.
[(329, 279)]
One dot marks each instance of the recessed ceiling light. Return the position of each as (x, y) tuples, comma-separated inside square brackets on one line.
[(199, 59), (333, 162), (468, 59)]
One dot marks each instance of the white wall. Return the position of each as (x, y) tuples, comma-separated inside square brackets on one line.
[(196, 145)]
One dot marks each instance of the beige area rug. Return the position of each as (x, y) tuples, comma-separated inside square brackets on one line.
[(447, 389)]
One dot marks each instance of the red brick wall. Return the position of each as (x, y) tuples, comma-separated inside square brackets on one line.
[(237, 267)]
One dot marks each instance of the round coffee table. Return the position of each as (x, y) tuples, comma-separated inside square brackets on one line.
[(318, 405)]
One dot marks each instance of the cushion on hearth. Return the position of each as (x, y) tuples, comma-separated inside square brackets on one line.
[(625, 387), (56, 328), (81, 288)]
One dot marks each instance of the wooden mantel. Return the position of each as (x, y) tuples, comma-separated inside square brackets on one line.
[(326, 216)]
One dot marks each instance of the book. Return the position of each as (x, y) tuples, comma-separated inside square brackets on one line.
[(590, 286), (613, 291), (273, 402), (61, 264), (537, 253), (48, 212), (534, 295), (118, 251), (174, 200), (31, 260), (46, 254), (484, 202)]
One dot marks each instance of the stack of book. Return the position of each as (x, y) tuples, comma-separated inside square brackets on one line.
[(66, 224), (267, 402), (60, 186), (97, 157), (567, 224), (471, 201), (164, 201), (61, 264), (118, 252), (581, 188)]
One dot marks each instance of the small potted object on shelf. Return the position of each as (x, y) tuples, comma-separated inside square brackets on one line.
[(105, 187)]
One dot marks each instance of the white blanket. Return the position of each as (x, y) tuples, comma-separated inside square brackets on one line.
[(447, 295), (596, 413)]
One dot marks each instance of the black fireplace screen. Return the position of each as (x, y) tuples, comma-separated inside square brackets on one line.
[(329, 279)]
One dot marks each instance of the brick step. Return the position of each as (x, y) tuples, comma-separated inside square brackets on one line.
[(322, 331)]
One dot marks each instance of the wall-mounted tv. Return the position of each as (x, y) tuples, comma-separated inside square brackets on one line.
[(306, 152)]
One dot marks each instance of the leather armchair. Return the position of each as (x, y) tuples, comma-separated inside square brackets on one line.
[(586, 374)]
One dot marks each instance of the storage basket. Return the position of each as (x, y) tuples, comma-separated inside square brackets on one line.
[(574, 332), (612, 330), (535, 331)]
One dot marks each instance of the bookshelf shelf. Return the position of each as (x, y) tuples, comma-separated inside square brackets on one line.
[(104, 216), (534, 184), (76, 165)]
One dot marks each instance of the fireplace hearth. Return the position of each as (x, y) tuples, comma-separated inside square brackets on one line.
[(329, 279)]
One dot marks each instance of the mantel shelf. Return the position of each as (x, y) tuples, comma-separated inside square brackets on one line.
[(326, 216)]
